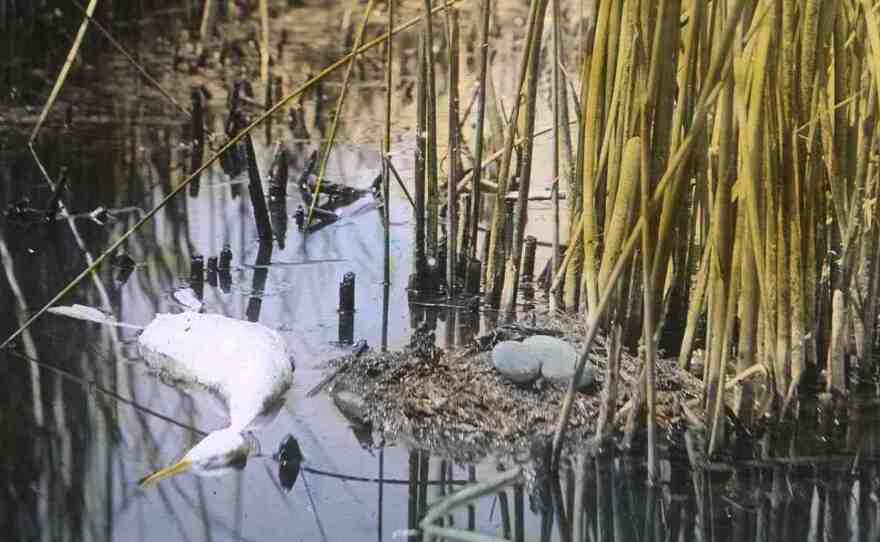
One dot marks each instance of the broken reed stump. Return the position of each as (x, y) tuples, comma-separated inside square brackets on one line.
[(346, 309), (197, 275), (225, 258), (211, 275), (255, 187), (346, 328), (258, 286), (224, 280), (346, 293), (528, 266)]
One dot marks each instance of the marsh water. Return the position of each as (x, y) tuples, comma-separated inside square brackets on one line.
[(82, 418)]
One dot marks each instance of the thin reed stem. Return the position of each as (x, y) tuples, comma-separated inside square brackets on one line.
[(476, 191), (454, 153), (495, 265), (433, 203), (386, 181)]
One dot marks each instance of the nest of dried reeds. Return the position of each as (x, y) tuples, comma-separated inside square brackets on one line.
[(456, 404)]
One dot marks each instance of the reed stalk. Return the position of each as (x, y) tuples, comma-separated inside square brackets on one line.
[(520, 217), (433, 203), (593, 107), (495, 263), (207, 19), (708, 93), (557, 126), (386, 180), (264, 43), (454, 153), (59, 83), (420, 162), (476, 190)]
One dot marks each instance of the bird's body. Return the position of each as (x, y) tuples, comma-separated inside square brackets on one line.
[(246, 363)]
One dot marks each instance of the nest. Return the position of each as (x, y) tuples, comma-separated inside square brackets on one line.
[(455, 404)]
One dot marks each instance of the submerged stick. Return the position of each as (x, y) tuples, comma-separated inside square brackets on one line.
[(92, 385)]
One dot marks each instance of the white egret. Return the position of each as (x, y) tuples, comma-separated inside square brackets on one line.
[(246, 363)]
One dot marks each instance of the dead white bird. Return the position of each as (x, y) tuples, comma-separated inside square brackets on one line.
[(246, 363)]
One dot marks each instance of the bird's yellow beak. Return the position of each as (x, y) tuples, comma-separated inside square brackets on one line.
[(181, 466)]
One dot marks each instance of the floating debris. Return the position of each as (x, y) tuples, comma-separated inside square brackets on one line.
[(340, 366), (289, 457), (352, 406), (189, 299)]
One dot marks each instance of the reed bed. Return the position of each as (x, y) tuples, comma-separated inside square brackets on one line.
[(721, 188)]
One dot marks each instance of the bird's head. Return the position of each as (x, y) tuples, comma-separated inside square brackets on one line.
[(218, 453)]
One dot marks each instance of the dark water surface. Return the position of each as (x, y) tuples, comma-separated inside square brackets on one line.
[(82, 419)]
